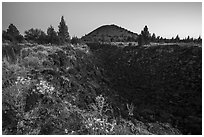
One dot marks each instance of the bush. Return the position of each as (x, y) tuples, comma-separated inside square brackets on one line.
[(75, 40), (32, 62), (26, 52), (11, 52)]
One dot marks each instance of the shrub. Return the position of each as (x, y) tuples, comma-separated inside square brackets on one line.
[(26, 52), (75, 40), (11, 52), (32, 62)]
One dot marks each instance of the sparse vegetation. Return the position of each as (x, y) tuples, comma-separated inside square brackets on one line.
[(162, 81), (60, 90), (54, 85)]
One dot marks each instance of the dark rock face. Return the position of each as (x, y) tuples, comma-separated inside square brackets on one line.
[(163, 82)]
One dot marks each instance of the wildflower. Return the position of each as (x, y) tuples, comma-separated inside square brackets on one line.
[(66, 131), (44, 87), (90, 124)]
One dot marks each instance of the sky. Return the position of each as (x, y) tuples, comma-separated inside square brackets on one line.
[(164, 19)]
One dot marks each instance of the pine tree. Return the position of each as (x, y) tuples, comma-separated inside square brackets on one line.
[(188, 39), (13, 31), (42, 39), (161, 39), (158, 39), (144, 37), (36, 35), (177, 39), (6, 36), (140, 40), (199, 40), (63, 32), (172, 40), (52, 36), (191, 39), (13, 34), (153, 38)]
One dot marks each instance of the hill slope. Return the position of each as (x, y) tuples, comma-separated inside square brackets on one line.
[(164, 82), (64, 90), (110, 33)]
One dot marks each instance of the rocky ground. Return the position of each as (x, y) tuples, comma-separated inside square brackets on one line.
[(164, 82), (102, 90)]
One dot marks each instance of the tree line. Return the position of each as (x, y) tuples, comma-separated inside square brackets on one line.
[(145, 38), (61, 37), (32, 35)]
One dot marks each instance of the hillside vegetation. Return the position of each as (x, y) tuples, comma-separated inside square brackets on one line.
[(65, 90), (140, 85)]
